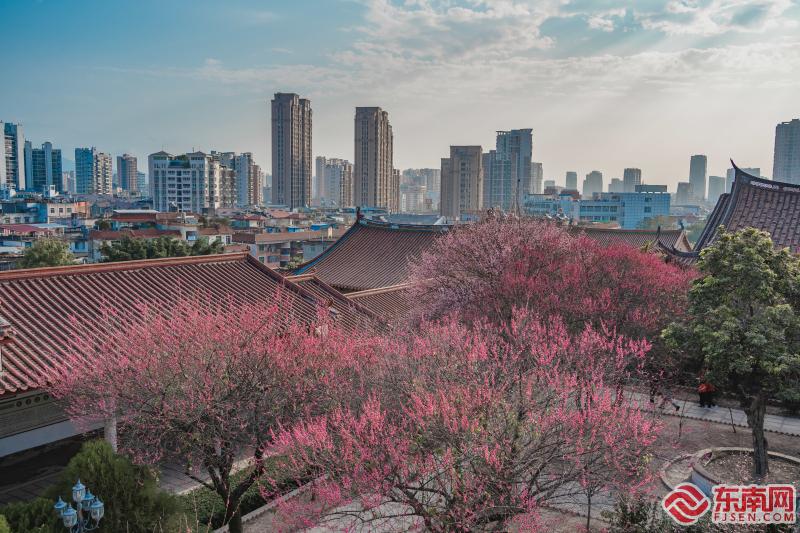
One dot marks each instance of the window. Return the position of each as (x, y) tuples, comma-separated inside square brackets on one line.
[(648, 209)]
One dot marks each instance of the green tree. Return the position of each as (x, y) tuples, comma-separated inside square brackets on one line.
[(693, 231), (133, 501), (4, 525), (46, 253), (130, 249), (743, 321)]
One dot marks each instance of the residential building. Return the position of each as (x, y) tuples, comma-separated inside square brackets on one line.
[(497, 192), (628, 210), (698, 166), (786, 162), (730, 175), (462, 182), (69, 182), (127, 173), (617, 185), (593, 183), (43, 171), (509, 173), (195, 182), (571, 182), (537, 177), (291, 150), (375, 184), (93, 171), (246, 178), (141, 183), (716, 188), (12, 157), (335, 179), (429, 177), (631, 178), (412, 198), (549, 183), (684, 194), (319, 178)]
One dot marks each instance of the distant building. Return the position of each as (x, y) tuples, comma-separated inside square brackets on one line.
[(716, 188), (593, 183), (247, 177), (617, 185), (12, 157), (127, 173), (43, 171), (549, 183), (68, 179), (631, 178), (571, 182), (93, 171), (375, 183), (537, 178), (412, 198), (509, 172), (431, 178), (650, 188), (195, 182), (730, 175), (141, 183), (685, 194), (628, 210), (698, 167), (335, 178), (786, 162), (462, 182), (291, 150)]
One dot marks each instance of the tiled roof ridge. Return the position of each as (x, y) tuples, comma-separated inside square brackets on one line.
[(622, 230), (440, 228), (379, 290), (293, 281), (93, 268), (304, 266)]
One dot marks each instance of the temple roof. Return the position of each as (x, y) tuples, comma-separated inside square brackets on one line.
[(390, 303), (638, 238), (38, 304), (372, 255), (767, 205)]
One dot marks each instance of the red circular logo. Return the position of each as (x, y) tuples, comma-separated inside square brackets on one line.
[(686, 504)]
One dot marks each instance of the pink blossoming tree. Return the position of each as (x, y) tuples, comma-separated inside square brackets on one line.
[(475, 429), (204, 387)]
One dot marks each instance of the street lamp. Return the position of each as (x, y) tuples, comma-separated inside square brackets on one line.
[(87, 512)]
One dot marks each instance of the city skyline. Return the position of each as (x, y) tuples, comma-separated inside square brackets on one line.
[(584, 78)]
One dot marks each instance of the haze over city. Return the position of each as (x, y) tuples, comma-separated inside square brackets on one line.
[(604, 85)]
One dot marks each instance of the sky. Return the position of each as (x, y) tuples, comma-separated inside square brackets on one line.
[(604, 84)]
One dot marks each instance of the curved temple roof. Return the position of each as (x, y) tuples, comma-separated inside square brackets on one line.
[(771, 206), (372, 255)]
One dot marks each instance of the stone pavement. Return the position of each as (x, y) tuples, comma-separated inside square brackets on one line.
[(722, 415)]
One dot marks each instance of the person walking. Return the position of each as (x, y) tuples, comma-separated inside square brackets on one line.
[(706, 392)]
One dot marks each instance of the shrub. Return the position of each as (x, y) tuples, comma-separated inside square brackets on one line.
[(133, 501), (4, 525), (35, 516)]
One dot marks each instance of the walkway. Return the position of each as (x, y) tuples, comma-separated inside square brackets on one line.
[(722, 415)]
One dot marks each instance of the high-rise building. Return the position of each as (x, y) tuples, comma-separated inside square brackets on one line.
[(698, 168), (593, 183), (786, 162), (537, 178), (571, 182), (650, 188), (510, 174), (462, 182), (319, 180), (684, 194), (141, 183), (335, 177), (730, 175), (291, 150), (127, 173), (68, 179), (617, 185), (12, 157), (631, 178), (93, 171), (247, 181), (716, 188), (375, 183), (195, 182), (43, 168)]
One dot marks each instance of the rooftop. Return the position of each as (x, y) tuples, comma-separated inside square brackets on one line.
[(638, 238), (372, 255), (39, 303)]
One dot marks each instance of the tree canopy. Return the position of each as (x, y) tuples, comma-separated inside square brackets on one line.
[(46, 253), (129, 248), (743, 322)]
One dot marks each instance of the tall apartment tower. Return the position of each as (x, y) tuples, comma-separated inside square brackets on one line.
[(716, 188), (246, 179), (698, 166), (43, 168), (127, 173), (93, 171), (374, 181), (12, 157), (537, 178), (593, 183), (319, 176), (195, 182), (571, 180), (462, 182), (335, 177), (631, 177), (291, 150), (786, 162)]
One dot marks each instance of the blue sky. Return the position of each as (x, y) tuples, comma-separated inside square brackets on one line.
[(604, 84)]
